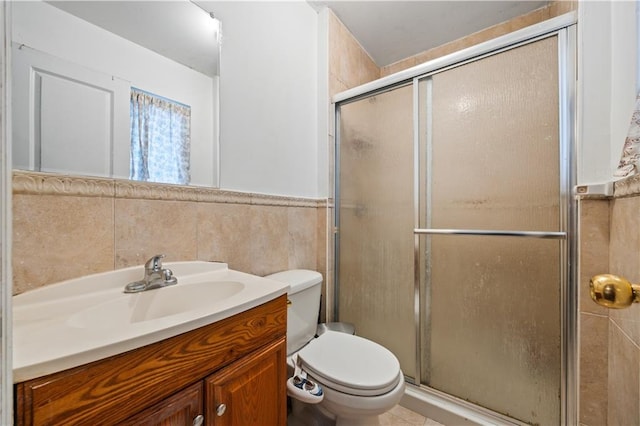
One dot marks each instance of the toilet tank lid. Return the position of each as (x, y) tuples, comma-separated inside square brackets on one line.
[(298, 279)]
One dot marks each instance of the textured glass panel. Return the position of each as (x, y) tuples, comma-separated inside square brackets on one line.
[(495, 142), (376, 274), (491, 305), (495, 324)]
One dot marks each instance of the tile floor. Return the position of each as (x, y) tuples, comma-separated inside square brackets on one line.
[(397, 416), (400, 416)]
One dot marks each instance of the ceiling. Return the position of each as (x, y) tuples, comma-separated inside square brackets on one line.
[(396, 29), (389, 30)]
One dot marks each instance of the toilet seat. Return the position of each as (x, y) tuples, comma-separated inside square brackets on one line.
[(351, 364)]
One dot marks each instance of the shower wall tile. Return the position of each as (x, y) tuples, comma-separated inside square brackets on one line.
[(622, 358), (624, 379), (594, 336), (624, 324), (594, 249), (594, 232), (560, 7), (625, 241), (349, 64), (625, 258), (60, 237), (144, 228)]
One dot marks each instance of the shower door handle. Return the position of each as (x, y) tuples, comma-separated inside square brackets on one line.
[(612, 291), (492, 232)]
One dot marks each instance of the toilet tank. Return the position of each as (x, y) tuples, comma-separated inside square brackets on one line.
[(303, 307)]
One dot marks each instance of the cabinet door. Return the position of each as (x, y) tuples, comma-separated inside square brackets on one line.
[(251, 391), (180, 409)]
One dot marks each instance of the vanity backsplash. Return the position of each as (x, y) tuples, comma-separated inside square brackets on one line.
[(68, 226)]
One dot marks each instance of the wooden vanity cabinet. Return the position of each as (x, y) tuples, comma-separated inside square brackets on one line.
[(182, 408), (242, 393), (238, 362)]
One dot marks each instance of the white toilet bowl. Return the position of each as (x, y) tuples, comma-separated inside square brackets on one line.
[(352, 410), (360, 379)]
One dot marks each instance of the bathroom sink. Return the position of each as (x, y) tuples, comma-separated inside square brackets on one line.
[(74, 322), (155, 304)]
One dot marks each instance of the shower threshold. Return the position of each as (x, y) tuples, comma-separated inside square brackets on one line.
[(449, 410)]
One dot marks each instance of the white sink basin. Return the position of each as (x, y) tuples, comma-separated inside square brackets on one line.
[(74, 322), (153, 304)]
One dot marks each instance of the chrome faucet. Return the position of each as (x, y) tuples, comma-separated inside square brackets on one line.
[(154, 276)]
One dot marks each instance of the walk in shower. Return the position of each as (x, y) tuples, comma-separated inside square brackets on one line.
[(455, 223)]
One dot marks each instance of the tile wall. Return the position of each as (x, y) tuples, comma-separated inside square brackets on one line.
[(593, 319), (349, 64), (610, 339), (65, 227)]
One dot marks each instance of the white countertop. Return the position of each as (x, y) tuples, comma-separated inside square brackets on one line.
[(78, 321)]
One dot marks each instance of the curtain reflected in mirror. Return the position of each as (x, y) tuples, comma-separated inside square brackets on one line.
[(160, 139)]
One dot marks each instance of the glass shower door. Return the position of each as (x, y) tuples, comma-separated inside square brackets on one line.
[(375, 214), (493, 242)]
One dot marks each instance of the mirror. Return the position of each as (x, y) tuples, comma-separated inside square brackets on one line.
[(75, 64)]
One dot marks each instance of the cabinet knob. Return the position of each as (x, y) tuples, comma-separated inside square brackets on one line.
[(199, 420), (220, 409)]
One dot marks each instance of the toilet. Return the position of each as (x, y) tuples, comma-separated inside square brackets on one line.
[(360, 379)]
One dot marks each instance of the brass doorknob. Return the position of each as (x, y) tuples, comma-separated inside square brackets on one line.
[(613, 291)]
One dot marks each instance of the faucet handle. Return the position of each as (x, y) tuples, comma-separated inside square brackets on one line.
[(154, 264)]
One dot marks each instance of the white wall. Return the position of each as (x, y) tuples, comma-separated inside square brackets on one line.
[(607, 56), (268, 98), (48, 29)]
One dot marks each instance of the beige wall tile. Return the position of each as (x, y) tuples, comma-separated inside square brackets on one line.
[(623, 341), (258, 239), (303, 238), (629, 321), (269, 246), (594, 338), (224, 234), (624, 258), (625, 240), (144, 228), (336, 86), (94, 230), (624, 379), (60, 237), (560, 7), (321, 257), (349, 64), (594, 250), (321, 240)]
